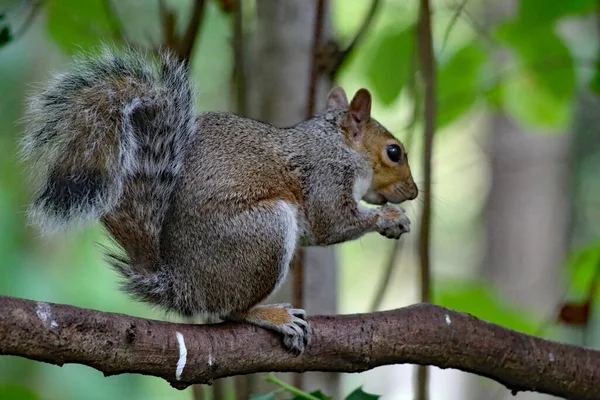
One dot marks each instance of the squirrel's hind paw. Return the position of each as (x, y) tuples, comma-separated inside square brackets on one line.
[(290, 322), (296, 335)]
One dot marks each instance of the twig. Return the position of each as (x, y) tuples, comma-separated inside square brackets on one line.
[(186, 44), (419, 334), (35, 8), (364, 28), (291, 389), (167, 19), (451, 24), (425, 46), (332, 57), (219, 388), (182, 47), (198, 392), (239, 63), (298, 293), (314, 70), (384, 283)]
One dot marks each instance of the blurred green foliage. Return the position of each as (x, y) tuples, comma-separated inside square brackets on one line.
[(78, 25), (390, 66), (357, 394), (534, 82)]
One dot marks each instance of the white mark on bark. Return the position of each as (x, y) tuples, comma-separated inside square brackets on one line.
[(182, 356), (448, 320), (44, 312)]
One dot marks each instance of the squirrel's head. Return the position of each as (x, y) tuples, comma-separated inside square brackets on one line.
[(392, 180)]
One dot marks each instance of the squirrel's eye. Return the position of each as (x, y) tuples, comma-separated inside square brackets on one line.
[(394, 152)]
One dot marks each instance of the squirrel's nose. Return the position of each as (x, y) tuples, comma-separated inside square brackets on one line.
[(413, 192)]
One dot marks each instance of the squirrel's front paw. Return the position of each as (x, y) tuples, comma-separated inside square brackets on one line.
[(393, 221)]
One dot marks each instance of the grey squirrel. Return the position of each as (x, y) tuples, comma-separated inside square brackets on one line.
[(210, 208)]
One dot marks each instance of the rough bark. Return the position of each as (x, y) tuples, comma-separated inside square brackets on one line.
[(187, 354)]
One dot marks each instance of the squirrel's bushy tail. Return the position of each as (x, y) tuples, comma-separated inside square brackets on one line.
[(108, 141)]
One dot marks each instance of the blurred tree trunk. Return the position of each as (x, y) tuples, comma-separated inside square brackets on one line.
[(526, 220), (278, 82), (526, 215)]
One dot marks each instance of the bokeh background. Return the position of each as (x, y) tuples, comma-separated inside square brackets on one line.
[(516, 182)]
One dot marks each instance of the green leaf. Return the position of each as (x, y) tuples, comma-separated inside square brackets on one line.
[(482, 301), (358, 394), (5, 35), (317, 394), (531, 12), (539, 89), (15, 392), (77, 25), (582, 264), (458, 82), (266, 396), (531, 105), (390, 66)]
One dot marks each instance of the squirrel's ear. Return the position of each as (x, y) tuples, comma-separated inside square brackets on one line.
[(337, 100), (359, 112)]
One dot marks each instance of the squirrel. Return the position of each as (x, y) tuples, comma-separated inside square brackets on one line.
[(208, 209)]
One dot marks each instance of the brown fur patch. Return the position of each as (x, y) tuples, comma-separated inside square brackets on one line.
[(393, 180), (274, 315)]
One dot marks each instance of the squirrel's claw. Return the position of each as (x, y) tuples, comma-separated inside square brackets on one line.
[(296, 336)]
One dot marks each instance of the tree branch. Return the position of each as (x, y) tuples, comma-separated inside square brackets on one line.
[(419, 334)]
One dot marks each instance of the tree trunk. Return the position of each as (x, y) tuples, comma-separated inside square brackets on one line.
[(526, 215), (278, 84)]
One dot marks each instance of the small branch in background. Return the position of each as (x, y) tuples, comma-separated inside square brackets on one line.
[(364, 28), (298, 270), (427, 62), (5, 32), (167, 20), (239, 59), (425, 46), (331, 57), (219, 388), (298, 294), (244, 386), (451, 24), (182, 47), (198, 392), (186, 44), (314, 68), (384, 283)]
